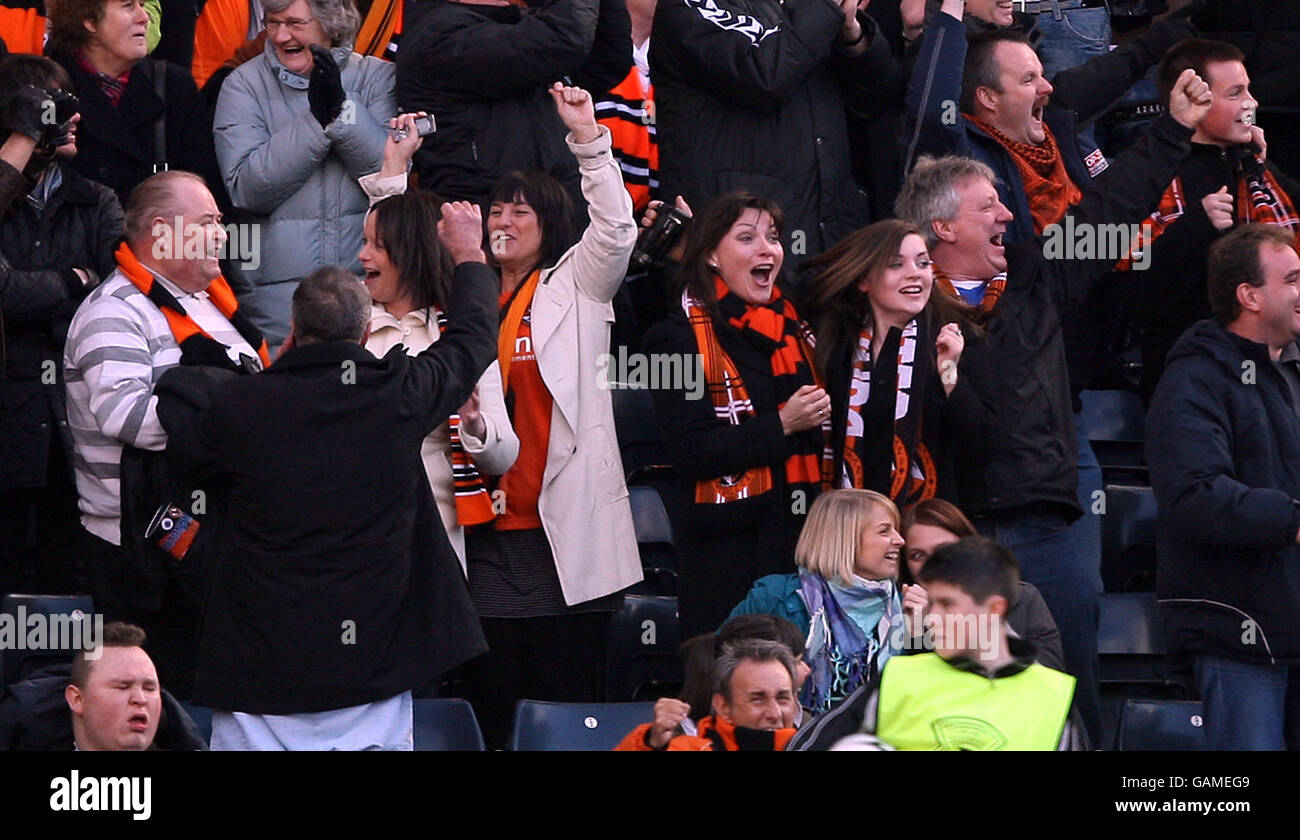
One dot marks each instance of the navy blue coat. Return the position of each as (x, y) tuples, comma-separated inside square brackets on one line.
[(1223, 448)]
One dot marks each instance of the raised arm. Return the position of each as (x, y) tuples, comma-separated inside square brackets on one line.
[(932, 122)]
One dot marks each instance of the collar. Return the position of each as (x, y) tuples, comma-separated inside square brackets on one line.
[(324, 353), (381, 319), (1290, 354), (296, 80), (728, 737), (1021, 650), (176, 291)]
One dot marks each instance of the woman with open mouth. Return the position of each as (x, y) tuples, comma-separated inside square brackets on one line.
[(888, 347), (751, 452)]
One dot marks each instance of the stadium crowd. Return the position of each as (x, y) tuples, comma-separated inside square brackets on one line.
[(322, 324)]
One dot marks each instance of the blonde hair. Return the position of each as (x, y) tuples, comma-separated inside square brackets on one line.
[(828, 543)]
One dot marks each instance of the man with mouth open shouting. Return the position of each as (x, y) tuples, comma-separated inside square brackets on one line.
[(1022, 487)]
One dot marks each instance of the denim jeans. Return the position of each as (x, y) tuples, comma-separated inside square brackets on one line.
[(1071, 37), (1063, 560), (1248, 706)]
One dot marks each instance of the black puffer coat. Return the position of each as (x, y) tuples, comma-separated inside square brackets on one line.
[(751, 94), (483, 72), (38, 294)]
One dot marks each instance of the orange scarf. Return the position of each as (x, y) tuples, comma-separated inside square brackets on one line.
[(194, 341), (1042, 172)]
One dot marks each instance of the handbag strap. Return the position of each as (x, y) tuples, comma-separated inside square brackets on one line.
[(160, 127)]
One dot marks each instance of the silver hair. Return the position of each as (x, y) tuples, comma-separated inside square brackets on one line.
[(930, 192), (339, 18), (152, 198), (753, 650)]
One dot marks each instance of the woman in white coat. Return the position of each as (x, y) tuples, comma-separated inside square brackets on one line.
[(548, 573), (408, 275)]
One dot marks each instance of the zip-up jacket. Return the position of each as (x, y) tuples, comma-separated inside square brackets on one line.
[(1223, 448)]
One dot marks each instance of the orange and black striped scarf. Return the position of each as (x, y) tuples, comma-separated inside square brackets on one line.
[(473, 504), (774, 328), (1042, 172), (1260, 198), (912, 474), (992, 293), (197, 347)]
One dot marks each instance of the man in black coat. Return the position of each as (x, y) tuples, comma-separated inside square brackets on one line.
[(751, 95), (1223, 447), (1021, 488), (483, 70), (57, 235), (335, 592)]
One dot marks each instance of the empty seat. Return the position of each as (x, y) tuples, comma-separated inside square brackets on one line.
[(63, 625), (640, 441), (1161, 725), (643, 663), (575, 726), (1128, 539), (654, 537), (1114, 420), (1131, 647), (446, 724)]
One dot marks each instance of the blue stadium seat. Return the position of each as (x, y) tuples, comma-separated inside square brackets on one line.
[(1115, 421), (589, 727), (1128, 539), (202, 717), (61, 637), (1130, 625), (654, 537), (640, 440), (643, 663), (447, 724), (1161, 725)]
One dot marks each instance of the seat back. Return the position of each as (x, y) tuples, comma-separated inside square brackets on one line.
[(446, 724), (1128, 539), (1130, 625), (47, 628), (654, 537), (1161, 725), (575, 726), (640, 441), (642, 649)]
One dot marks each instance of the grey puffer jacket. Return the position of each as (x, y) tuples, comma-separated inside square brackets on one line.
[(298, 181)]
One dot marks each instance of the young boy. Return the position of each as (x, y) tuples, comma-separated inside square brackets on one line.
[(979, 690)]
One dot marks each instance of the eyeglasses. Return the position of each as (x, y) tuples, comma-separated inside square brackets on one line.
[(294, 24)]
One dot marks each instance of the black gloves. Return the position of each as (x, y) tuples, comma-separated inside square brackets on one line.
[(24, 112), (325, 90)]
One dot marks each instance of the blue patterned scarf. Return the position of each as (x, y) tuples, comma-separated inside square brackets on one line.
[(850, 637)]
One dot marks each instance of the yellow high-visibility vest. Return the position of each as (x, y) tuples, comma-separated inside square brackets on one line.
[(927, 704)]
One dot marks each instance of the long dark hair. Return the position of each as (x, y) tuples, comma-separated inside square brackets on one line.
[(406, 226), (552, 204), (704, 233), (837, 308), (699, 652)]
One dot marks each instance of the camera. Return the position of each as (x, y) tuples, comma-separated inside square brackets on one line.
[(424, 126), (656, 241)]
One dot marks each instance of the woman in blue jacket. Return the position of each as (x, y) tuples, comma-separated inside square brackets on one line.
[(844, 597)]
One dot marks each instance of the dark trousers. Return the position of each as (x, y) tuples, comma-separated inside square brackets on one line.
[(172, 631), (40, 535), (558, 658)]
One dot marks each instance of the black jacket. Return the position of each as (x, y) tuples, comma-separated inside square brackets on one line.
[(483, 72), (1223, 448), (115, 146), (751, 94), (1018, 369), (333, 583), (80, 227), (1170, 294), (724, 548)]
